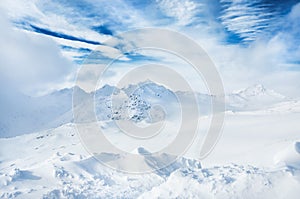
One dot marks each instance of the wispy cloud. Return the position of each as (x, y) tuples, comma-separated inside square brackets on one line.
[(249, 41), (252, 19)]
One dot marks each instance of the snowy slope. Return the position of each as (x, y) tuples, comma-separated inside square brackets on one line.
[(54, 164), (23, 114)]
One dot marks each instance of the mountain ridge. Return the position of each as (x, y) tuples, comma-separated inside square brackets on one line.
[(55, 109)]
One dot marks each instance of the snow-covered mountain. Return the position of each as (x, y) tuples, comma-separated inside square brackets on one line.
[(253, 98), (23, 114), (258, 90), (138, 103)]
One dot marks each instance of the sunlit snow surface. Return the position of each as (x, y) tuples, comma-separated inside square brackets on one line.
[(258, 156), (54, 164)]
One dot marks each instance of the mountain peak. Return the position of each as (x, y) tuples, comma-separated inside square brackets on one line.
[(254, 90), (259, 87), (258, 90), (254, 97), (141, 151)]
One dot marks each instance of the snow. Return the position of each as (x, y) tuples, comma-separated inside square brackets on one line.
[(39, 113), (253, 98), (289, 157), (24, 114), (258, 155), (53, 164)]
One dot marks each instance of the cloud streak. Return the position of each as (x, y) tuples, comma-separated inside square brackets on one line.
[(250, 42)]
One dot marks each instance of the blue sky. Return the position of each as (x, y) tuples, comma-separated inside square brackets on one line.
[(249, 41)]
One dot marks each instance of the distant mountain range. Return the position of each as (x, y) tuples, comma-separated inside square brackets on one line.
[(253, 98), (139, 102)]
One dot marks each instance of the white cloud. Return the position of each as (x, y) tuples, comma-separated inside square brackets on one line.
[(31, 62), (264, 61), (240, 66), (182, 11)]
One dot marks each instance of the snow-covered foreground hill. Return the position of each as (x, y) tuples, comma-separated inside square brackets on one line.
[(258, 156)]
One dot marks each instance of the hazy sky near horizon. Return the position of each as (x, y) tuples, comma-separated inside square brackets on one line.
[(45, 42)]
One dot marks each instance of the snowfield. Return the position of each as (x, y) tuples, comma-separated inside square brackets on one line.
[(258, 156), (54, 164)]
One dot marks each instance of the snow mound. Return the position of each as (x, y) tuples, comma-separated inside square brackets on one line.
[(161, 165), (289, 157)]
